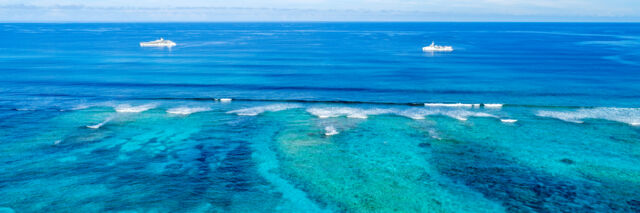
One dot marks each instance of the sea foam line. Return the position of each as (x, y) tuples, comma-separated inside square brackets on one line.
[(461, 105), (508, 120), (330, 130), (493, 106), (224, 100), (126, 108), (630, 116), (450, 105), (97, 126), (349, 112), (253, 111), (413, 113), (462, 115), (187, 110)]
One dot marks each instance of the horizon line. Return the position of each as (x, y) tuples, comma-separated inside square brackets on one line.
[(308, 21)]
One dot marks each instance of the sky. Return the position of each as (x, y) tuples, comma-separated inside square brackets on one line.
[(318, 10)]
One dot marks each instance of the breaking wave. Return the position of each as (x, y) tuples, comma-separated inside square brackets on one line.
[(493, 106), (461, 105), (462, 115), (126, 108), (630, 116), (450, 105), (97, 126), (330, 130), (349, 112), (508, 120), (413, 113), (253, 111), (187, 110)]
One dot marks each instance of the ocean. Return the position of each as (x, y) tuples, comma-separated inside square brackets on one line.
[(320, 117)]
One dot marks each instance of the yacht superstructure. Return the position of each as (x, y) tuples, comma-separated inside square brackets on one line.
[(158, 43), (437, 48)]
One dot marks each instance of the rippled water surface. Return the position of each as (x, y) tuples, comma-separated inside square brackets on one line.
[(324, 117)]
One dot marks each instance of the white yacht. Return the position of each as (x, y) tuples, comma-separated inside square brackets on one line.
[(158, 43), (437, 48)]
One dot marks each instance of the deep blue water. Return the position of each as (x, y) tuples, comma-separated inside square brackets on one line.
[(324, 117)]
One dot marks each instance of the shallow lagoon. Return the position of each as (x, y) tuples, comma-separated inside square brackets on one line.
[(282, 160)]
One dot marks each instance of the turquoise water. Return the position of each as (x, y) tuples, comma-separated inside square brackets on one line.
[(324, 117)]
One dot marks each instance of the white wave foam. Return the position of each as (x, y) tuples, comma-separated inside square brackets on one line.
[(187, 110), (97, 126), (462, 115), (126, 108), (413, 113), (572, 117), (630, 116), (253, 111), (434, 134), (449, 105), (508, 120), (330, 112), (416, 113), (81, 107), (225, 100), (493, 106), (330, 130)]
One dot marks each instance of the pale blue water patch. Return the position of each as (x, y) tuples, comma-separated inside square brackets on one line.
[(320, 117)]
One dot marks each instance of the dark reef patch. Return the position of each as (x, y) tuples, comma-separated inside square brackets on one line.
[(424, 145), (518, 188), (235, 169), (635, 205), (567, 161)]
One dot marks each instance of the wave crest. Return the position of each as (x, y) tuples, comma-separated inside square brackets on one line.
[(349, 112), (451, 105), (458, 114), (330, 130), (253, 111), (126, 108), (413, 113), (630, 116), (97, 126), (187, 110)]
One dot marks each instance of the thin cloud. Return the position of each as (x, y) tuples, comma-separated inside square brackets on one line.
[(318, 10)]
